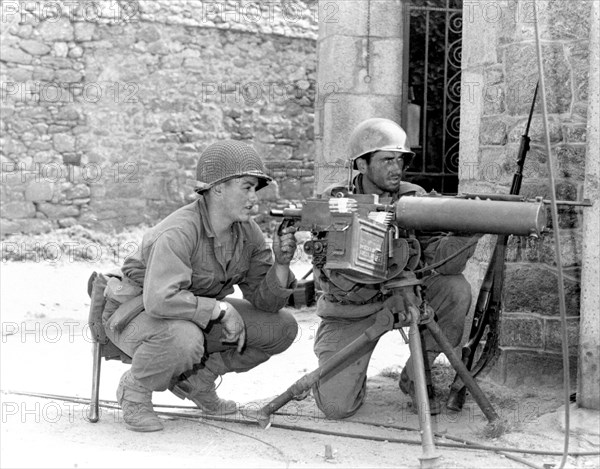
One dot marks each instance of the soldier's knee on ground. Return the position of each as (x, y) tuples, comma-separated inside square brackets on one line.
[(334, 410), (334, 407)]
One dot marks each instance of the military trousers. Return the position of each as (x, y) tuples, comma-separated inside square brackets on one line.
[(342, 392), (163, 349)]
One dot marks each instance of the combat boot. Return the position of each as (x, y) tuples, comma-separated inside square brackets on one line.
[(407, 386), (136, 403), (201, 390)]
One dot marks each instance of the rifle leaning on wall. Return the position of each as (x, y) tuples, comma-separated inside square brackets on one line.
[(489, 301)]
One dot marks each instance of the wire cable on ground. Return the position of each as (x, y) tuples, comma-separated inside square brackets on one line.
[(460, 443), (266, 443), (556, 230)]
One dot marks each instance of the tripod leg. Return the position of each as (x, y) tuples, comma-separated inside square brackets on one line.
[(383, 323), (483, 402), (416, 351), (426, 364), (93, 413)]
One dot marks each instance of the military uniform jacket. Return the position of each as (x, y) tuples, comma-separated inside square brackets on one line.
[(184, 270)]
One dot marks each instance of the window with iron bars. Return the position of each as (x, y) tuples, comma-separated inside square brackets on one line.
[(431, 110)]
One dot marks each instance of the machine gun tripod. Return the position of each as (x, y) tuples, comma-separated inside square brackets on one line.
[(417, 312)]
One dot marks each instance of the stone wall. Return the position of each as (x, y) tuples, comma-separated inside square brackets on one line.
[(106, 105), (499, 76)]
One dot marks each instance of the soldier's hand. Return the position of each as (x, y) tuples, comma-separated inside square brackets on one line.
[(233, 328), (284, 246), (400, 302)]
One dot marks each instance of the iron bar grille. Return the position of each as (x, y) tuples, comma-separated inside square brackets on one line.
[(431, 111)]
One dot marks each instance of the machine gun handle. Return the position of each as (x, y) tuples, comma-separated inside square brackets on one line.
[(290, 217)]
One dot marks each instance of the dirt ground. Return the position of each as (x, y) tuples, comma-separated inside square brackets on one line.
[(46, 349)]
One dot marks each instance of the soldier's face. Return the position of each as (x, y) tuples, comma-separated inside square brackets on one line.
[(240, 199), (385, 170)]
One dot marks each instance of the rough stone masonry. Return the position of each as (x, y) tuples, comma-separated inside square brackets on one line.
[(106, 104)]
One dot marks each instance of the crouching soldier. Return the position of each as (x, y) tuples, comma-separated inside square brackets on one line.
[(189, 332)]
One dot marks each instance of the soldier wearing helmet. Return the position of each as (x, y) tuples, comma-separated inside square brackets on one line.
[(190, 331), (379, 150)]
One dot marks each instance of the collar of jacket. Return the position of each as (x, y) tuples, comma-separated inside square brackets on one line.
[(205, 220)]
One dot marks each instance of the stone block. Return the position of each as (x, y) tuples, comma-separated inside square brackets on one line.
[(568, 21), (347, 18), (43, 74), (14, 55), (575, 133), (494, 100), (34, 47), (346, 66), (521, 330), (68, 76), (55, 211), (385, 68), (516, 368), (148, 34), (492, 166), (60, 30), (77, 191), (479, 40), (579, 60), (570, 248), (17, 209), (35, 226), (75, 52), (39, 191), (493, 131), (63, 142), (388, 18), (521, 77), (61, 49), (57, 62), (553, 335), (84, 31), (18, 75), (571, 162), (8, 227), (533, 288), (25, 31)]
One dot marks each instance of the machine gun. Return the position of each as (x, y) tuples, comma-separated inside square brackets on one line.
[(371, 241), (367, 241)]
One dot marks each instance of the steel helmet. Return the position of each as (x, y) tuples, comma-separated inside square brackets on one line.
[(226, 160), (378, 134)]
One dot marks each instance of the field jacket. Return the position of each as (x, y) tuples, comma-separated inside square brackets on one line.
[(184, 270)]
